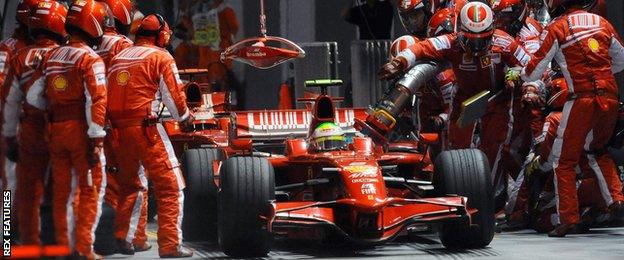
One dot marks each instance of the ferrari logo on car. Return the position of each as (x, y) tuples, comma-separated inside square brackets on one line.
[(60, 83), (123, 77), (593, 44)]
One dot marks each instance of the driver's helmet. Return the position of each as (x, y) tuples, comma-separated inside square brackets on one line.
[(328, 137)]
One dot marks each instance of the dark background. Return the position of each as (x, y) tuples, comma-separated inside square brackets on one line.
[(297, 20)]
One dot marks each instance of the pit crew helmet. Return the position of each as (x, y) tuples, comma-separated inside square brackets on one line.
[(328, 137), (24, 8), (415, 14), (442, 22), (89, 17), (122, 12), (154, 25), (509, 15), (557, 7), (558, 94), (476, 27), (400, 44), (49, 17)]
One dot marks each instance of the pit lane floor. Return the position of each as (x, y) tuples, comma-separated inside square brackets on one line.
[(603, 243)]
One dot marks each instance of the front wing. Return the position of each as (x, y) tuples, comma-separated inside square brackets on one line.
[(393, 215)]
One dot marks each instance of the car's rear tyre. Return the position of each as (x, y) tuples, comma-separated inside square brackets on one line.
[(200, 204), (467, 173), (247, 187)]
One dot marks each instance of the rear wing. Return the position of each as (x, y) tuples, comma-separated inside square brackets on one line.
[(277, 125)]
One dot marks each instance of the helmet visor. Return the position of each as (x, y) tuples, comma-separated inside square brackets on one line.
[(330, 143), (444, 28), (414, 21), (476, 43)]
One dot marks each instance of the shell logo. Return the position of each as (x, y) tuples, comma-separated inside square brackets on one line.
[(123, 77), (593, 45), (60, 83)]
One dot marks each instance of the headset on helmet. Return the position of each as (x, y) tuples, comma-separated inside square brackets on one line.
[(442, 22), (162, 33), (49, 16), (24, 7), (476, 27)]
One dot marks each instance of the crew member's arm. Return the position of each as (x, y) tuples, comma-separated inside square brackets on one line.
[(432, 49), (95, 93), (541, 59), (12, 105), (616, 51), (171, 89)]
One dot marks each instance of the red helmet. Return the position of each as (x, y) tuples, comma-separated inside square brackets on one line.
[(442, 22), (558, 93), (49, 16), (89, 16), (154, 25), (401, 44), (123, 10), (509, 15), (23, 10), (476, 27), (558, 6), (415, 14)]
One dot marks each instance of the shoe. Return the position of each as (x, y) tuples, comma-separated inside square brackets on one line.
[(616, 209), (91, 256), (124, 248), (141, 248), (183, 252), (562, 230)]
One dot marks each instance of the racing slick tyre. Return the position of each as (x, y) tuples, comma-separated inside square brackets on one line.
[(467, 173), (247, 187), (200, 204)]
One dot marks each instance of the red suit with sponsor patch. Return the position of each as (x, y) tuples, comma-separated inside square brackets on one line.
[(475, 74), (75, 85), (140, 78), (589, 51), (74, 78), (25, 106)]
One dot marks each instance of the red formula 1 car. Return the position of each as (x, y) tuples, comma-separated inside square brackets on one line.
[(362, 193), (219, 133)]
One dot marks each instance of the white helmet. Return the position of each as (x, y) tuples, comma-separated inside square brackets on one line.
[(476, 26)]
